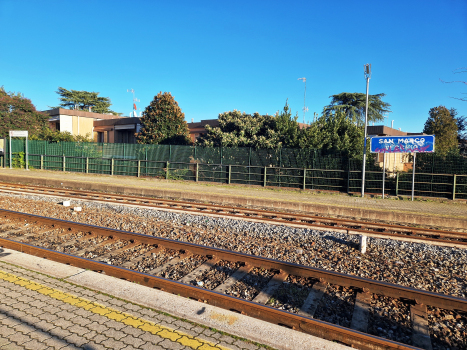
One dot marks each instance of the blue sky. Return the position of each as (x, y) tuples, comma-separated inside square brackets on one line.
[(216, 56)]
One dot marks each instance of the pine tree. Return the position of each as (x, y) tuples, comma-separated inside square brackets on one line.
[(354, 104), (163, 122), (443, 125), (85, 100)]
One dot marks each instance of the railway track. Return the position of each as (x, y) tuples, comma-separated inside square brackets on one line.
[(239, 282), (355, 227)]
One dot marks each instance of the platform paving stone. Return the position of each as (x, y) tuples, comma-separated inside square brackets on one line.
[(129, 347), (18, 338), (115, 325), (130, 340), (11, 346), (35, 345), (113, 344)]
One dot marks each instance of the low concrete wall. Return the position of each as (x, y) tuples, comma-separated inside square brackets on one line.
[(313, 209)]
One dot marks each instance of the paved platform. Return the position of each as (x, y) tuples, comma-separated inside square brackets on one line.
[(442, 213), (48, 305)]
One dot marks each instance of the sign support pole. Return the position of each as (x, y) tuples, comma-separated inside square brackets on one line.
[(384, 171), (413, 173), (10, 152)]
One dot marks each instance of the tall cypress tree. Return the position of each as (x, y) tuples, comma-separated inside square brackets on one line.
[(163, 122)]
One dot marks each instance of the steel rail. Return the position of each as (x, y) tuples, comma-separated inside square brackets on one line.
[(299, 220)]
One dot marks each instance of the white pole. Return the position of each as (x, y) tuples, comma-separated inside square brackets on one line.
[(10, 152), (413, 173), (384, 171), (27, 154), (367, 70)]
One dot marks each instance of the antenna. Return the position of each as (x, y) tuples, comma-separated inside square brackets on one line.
[(367, 70), (305, 108), (134, 102)]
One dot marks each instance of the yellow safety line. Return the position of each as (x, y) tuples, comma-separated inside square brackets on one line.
[(112, 314)]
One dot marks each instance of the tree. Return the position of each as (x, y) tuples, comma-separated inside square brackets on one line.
[(85, 100), (18, 113), (443, 125), (461, 125), (163, 122), (353, 106), (332, 133), (287, 128), (237, 129)]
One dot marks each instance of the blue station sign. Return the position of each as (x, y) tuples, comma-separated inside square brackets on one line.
[(403, 144)]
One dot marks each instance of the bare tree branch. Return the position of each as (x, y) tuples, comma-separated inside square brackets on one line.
[(454, 81)]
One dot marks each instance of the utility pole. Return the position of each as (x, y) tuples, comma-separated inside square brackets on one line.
[(367, 74), (305, 109)]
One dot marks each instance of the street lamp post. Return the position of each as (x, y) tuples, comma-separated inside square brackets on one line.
[(367, 74)]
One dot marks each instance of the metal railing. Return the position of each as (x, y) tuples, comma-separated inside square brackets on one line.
[(451, 186)]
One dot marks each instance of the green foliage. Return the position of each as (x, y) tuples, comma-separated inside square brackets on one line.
[(333, 133), (60, 136), (83, 100), (18, 113), (353, 106), (18, 160), (443, 125), (287, 128), (163, 122), (238, 129), (461, 123)]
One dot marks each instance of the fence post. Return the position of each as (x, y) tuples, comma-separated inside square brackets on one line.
[(112, 166), (87, 165), (264, 176), (454, 188), (197, 169), (167, 171), (42, 162), (64, 163), (304, 178), (348, 176), (230, 174), (139, 168), (397, 184)]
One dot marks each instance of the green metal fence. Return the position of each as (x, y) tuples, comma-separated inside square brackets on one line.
[(294, 168)]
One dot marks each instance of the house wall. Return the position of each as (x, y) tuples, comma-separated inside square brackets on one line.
[(82, 126), (66, 123), (394, 161)]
